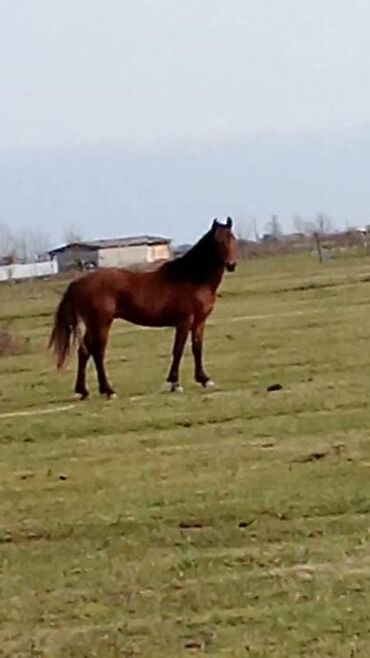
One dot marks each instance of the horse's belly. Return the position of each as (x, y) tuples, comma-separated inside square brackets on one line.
[(154, 306), (148, 317)]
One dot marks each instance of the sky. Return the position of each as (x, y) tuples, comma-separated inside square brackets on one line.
[(155, 116)]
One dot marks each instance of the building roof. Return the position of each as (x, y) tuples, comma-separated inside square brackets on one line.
[(181, 249), (114, 243)]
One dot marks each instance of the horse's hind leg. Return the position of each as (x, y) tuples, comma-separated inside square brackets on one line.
[(197, 334), (178, 349), (83, 357), (99, 338)]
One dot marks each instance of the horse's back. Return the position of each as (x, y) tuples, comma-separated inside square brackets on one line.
[(147, 298)]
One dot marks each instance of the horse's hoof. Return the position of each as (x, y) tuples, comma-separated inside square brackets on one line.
[(110, 395), (209, 384), (81, 396), (175, 387)]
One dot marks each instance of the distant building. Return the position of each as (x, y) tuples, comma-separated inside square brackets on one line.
[(120, 252), (181, 249)]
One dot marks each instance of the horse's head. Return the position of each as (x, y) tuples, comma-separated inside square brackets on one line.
[(226, 241)]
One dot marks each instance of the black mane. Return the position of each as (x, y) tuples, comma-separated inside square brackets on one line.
[(199, 264)]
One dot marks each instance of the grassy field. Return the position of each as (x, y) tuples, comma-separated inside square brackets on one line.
[(233, 522)]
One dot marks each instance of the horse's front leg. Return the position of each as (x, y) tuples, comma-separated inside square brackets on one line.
[(197, 335), (181, 336)]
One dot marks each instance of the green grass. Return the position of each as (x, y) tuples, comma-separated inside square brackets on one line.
[(227, 523)]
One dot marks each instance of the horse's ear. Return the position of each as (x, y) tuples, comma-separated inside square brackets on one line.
[(229, 222), (214, 224)]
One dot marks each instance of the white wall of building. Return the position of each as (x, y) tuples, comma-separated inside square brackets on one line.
[(122, 256), (20, 271), (158, 252), (113, 256)]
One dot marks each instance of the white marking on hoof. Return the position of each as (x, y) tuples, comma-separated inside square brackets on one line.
[(209, 384), (80, 396), (175, 387), (111, 396)]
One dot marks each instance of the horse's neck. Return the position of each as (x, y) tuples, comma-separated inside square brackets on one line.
[(215, 280)]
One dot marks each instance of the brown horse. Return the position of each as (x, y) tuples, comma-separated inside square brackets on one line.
[(180, 294)]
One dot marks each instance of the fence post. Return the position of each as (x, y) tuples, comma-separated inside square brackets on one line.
[(317, 238)]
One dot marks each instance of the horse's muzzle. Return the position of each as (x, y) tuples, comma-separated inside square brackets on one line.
[(231, 267)]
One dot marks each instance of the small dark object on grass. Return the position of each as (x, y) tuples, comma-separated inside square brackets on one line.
[(245, 524), (315, 456), (62, 476), (193, 645), (312, 457), (26, 475), (191, 525), (274, 387)]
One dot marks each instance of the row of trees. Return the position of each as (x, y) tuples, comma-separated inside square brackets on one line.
[(27, 245), (249, 229), (31, 244)]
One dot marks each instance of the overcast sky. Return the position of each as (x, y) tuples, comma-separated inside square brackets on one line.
[(175, 79)]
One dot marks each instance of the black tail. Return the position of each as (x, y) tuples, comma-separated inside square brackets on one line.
[(65, 328)]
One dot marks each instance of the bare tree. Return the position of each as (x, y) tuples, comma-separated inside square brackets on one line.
[(7, 245), (31, 244), (72, 234), (255, 230), (321, 224), (273, 227), (244, 230), (24, 245), (300, 224)]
